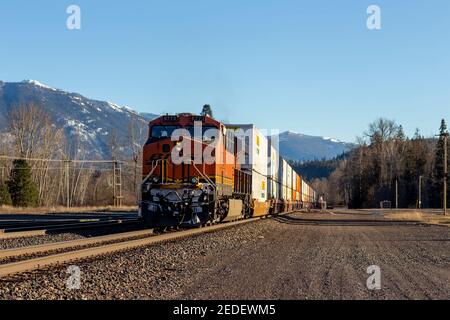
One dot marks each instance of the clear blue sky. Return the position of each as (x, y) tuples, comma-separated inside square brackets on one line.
[(307, 66)]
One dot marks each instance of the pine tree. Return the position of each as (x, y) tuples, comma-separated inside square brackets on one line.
[(5, 197), (438, 172), (23, 190), (400, 133)]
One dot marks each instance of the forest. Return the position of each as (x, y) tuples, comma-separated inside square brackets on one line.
[(56, 172), (384, 161), (39, 166)]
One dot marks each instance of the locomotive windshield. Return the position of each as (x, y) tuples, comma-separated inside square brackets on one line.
[(166, 131), (163, 131), (207, 131)]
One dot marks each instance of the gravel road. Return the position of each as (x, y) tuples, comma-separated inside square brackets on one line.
[(299, 256)]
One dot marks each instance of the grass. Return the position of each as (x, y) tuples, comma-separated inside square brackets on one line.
[(61, 209), (406, 215), (421, 216)]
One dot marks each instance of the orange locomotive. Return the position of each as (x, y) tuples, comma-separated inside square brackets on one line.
[(190, 173)]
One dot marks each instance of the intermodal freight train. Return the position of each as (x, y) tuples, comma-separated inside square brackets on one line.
[(197, 170)]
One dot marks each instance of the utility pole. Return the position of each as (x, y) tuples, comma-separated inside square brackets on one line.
[(445, 172), (117, 184), (114, 184), (67, 183), (396, 193), (420, 192)]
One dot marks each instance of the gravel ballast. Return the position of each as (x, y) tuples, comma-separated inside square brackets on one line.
[(65, 236), (282, 258)]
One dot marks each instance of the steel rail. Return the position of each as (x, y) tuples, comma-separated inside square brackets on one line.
[(45, 230), (68, 226), (22, 234), (13, 225), (66, 257), (17, 252)]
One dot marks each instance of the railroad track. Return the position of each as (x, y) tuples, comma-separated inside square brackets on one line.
[(23, 223), (98, 247), (40, 230)]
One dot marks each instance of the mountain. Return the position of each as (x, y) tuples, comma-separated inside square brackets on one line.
[(92, 122), (301, 147), (89, 121)]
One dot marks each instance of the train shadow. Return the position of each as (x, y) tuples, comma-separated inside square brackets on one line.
[(285, 219)]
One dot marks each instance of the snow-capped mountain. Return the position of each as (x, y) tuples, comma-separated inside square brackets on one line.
[(297, 146), (90, 122)]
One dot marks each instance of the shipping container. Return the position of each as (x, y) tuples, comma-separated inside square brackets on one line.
[(289, 182), (280, 177), (305, 192), (252, 150), (299, 188), (272, 172), (286, 180)]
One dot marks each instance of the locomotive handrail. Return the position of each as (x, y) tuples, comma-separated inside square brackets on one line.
[(204, 176), (154, 166)]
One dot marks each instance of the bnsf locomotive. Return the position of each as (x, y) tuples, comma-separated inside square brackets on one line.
[(197, 170)]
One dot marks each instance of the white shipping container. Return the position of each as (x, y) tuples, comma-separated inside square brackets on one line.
[(273, 172), (256, 160), (305, 190), (287, 180), (289, 177), (281, 174)]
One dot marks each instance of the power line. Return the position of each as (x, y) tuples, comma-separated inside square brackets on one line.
[(108, 161), (74, 165), (59, 160)]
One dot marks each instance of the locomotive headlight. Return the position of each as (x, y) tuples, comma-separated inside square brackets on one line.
[(178, 147), (194, 180)]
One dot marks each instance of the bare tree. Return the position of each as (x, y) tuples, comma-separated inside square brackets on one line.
[(136, 128), (35, 136)]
